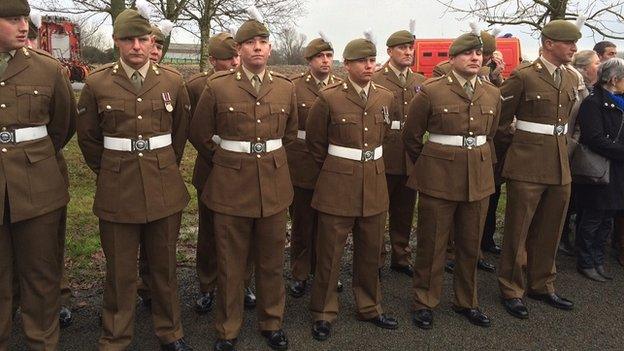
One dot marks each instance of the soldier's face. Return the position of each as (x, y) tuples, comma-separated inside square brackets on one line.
[(321, 64), (135, 51), (468, 63), (254, 53), (609, 53), (560, 51), (225, 65), (13, 33), (361, 71), (401, 56), (157, 53)]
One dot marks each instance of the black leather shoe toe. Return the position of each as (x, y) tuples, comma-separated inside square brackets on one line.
[(474, 316), (297, 288), (407, 270), (495, 249), (383, 321), (178, 345), (321, 330), (339, 287), (65, 317), (204, 303), (516, 308), (276, 339), (250, 299), (224, 345), (554, 300), (485, 266), (423, 318)]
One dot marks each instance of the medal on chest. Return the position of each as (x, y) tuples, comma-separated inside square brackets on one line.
[(167, 100), (386, 114)]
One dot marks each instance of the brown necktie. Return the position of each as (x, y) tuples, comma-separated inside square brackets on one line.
[(557, 76), (402, 78), (137, 80), (363, 95), (468, 89), (4, 61), (256, 82)]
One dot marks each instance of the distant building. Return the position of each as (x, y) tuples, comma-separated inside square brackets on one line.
[(182, 53)]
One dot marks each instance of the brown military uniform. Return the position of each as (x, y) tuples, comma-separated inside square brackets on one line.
[(33, 92), (350, 195), (248, 192), (398, 165), (538, 177), (303, 172), (153, 193), (454, 183)]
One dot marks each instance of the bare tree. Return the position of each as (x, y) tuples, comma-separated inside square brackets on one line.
[(289, 47), (604, 17)]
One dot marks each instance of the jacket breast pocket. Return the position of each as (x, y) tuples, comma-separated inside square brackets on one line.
[(542, 103), (278, 117), (33, 103), (235, 119), (487, 112), (447, 116), (109, 111), (346, 127), (161, 118)]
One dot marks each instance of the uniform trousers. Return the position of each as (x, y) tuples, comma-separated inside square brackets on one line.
[(32, 247), (438, 219), (120, 242), (303, 238), (401, 215), (367, 241), (534, 219), (237, 239)]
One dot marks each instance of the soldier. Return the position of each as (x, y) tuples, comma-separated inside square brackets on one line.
[(132, 131), (397, 76), (303, 169), (541, 97), (453, 174), (38, 112), (344, 133), (160, 36), (254, 112), (223, 56)]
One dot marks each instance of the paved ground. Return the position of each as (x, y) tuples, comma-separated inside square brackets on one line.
[(596, 322)]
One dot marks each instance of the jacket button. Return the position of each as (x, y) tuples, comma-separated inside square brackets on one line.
[(231, 109), (258, 156), (471, 118), (469, 147), (140, 136), (472, 104), (365, 144), (2, 84), (405, 102), (283, 110), (365, 113), (4, 149), (140, 117), (491, 111), (258, 120), (108, 107), (470, 133), (366, 129), (302, 105), (139, 99), (446, 110), (344, 119), (258, 139), (405, 116), (140, 154), (257, 103), (36, 92), (539, 97), (2, 106)]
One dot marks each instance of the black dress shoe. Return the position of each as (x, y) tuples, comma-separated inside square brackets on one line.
[(485, 266), (178, 345), (591, 274), (554, 300), (276, 339), (449, 267), (224, 345), (495, 249), (383, 321), (474, 316), (516, 308), (339, 287), (321, 330), (297, 288), (250, 299), (407, 270), (601, 270), (423, 318), (204, 303), (65, 317)]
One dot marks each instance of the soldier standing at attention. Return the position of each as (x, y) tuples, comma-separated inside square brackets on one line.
[(397, 76), (223, 56), (541, 96), (133, 119), (345, 132), (454, 176), (37, 110), (303, 169), (254, 112)]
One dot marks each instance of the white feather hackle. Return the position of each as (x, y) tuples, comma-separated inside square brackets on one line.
[(166, 26), (324, 37), (412, 26), (474, 29), (35, 18), (496, 30), (580, 21), (254, 13), (368, 34), (144, 9)]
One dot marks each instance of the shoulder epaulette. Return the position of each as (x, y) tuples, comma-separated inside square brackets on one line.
[(196, 76), (29, 50), (433, 80), (221, 74), (278, 75), (380, 87), (102, 68), (157, 66), (333, 86), (297, 76)]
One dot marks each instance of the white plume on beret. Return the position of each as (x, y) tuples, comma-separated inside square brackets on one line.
[(254, 13), (144, 8), (35, 18), (324, 37), (495, 31), (580, 21), (166, 26), (412, 26), (474, 29), (368, 34)]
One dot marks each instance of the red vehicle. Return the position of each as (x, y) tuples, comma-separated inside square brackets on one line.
[(430, 52), (61, 38)]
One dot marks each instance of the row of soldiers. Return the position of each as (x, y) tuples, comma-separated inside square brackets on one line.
[(339, 154)]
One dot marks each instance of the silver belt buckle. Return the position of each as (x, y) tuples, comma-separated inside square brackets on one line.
[(258, 148), (7, 137), (368, 155), (469, 141), (140, 145), (559, 130)]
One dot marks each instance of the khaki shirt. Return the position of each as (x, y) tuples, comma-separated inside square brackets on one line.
[(135, 187)]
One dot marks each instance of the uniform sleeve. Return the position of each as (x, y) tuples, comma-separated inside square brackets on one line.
[(511, 93), (437, 71), (90, 137), (593, 134), (316, 130), (418, 112), (180, 123), (62, 111), (290, 134), (203, 123), (494, 130), (194, 91)]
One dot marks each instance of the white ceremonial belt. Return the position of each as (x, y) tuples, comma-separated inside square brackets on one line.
[(355, 154), (539, 128), (458, 140), (251, 147), (301, 134), (23, 134), (216, 139), (126, 144), (397, 125)]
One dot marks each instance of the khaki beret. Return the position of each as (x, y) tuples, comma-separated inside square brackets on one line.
[(358, 49), (129, 23), (11, 8), (465, 42), (399, 38), (159, 36), (316, 46), (222, 46), (489, 42), (251, 29), (561, 30)]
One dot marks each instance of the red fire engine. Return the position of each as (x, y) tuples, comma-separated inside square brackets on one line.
[(61, 38)]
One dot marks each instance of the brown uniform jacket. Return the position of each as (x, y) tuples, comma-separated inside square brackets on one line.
[(195, 86), (34, 91), (241, 184), (444, 67), (530, 95), (134, 187), (451, 172), (341, 117), (303, 169), (397, 160)]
